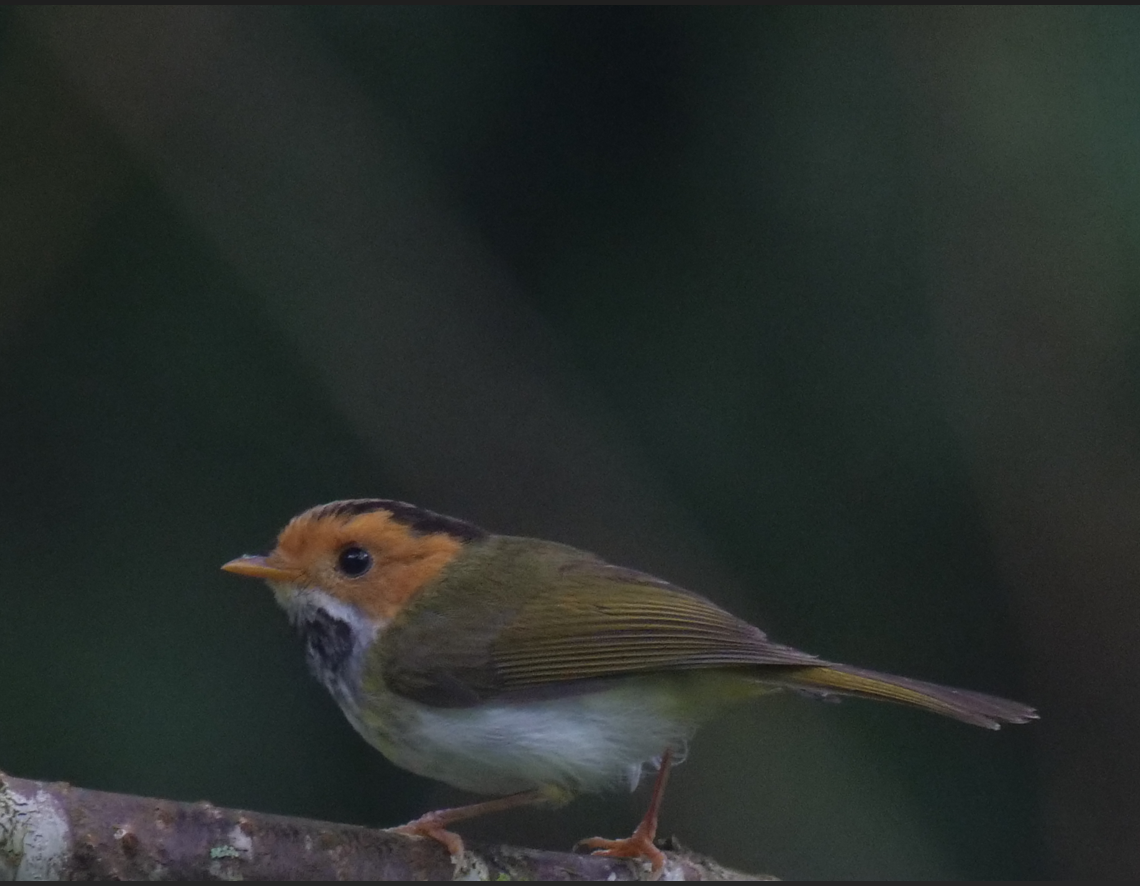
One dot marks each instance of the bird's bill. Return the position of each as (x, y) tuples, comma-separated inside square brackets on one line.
[(259, 567)]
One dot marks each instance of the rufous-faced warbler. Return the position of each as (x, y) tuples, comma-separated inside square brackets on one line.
[(527, 669)]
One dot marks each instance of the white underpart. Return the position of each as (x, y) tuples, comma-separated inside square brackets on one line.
[(296, 600), (584, 742), (680, 754)]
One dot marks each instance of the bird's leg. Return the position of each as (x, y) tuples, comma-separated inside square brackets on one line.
[(435, 824), (640, 844)]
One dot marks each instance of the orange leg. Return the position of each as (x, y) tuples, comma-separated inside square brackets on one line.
[(640, 844), (435, 824)]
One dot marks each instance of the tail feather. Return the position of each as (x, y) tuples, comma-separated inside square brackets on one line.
[(961, 704)]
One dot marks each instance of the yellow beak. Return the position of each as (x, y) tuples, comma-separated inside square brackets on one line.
[(258, 567)]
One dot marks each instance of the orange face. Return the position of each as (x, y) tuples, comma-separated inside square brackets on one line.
[(373, 560)]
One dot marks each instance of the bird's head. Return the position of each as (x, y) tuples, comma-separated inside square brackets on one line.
[(372, 555)]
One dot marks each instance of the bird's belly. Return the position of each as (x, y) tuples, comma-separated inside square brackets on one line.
[(580, 743)]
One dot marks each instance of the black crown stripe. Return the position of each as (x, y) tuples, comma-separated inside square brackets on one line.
[(417, 519)]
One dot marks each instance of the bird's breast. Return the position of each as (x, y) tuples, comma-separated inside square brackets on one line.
[(330, 644), (582, 743), (336, 637)]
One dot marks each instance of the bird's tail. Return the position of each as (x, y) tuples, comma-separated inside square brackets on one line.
[(961, 704)]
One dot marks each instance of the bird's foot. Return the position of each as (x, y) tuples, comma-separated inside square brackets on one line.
[(432, 826), (638, 846)]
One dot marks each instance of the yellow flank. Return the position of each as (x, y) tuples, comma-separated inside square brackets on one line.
[(404, 561)]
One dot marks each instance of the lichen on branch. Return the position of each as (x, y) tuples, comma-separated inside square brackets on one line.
[(51, 830)]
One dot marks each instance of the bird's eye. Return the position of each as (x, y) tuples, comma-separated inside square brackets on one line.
[(354, 561)]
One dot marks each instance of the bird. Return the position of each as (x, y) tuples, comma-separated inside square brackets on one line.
[(529, 670)]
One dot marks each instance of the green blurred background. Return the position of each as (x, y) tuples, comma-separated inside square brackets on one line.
[(829, 314)]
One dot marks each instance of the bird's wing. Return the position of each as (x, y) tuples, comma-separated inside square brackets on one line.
[(574, 620), (609, 621)]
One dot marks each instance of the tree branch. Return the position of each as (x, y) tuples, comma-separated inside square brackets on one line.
[(56, 831)]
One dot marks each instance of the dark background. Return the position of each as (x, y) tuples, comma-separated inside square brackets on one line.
[(829, 314)]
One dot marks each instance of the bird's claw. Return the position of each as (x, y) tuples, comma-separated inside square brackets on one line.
[(430, 826), (638, 846)]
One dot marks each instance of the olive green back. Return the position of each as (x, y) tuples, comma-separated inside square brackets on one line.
[(516, 615)]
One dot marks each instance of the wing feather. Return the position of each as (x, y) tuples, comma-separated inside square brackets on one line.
[(522, 618), (617, 625), (569, 620)]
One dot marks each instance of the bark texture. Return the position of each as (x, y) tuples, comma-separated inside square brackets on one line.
[(59, 832)]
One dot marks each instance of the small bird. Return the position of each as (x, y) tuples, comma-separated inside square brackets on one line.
[(531, 670)]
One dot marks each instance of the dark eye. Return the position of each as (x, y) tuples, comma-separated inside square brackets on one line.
[(354, 561)]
